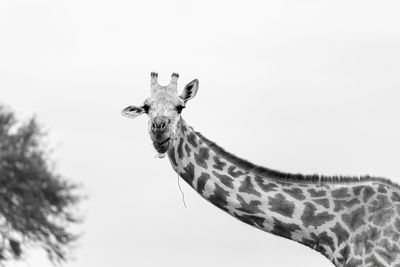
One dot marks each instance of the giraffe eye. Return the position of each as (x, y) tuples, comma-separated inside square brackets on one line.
[(146, 108), (179, 108)]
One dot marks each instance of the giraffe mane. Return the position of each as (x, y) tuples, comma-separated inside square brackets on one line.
[(289, 177)]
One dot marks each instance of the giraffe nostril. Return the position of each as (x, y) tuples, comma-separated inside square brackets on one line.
[(160, 126)]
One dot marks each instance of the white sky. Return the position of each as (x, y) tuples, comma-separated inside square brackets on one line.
[(299, 86)]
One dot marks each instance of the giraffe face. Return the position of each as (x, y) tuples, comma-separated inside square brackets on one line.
[(163, 107)]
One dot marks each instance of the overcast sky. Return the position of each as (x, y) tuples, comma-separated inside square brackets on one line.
[(298, 86)]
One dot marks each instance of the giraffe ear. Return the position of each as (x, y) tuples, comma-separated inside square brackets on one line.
[(190, 90), (132, 112)]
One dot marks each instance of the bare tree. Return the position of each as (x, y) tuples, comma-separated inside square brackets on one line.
[(37, 205)]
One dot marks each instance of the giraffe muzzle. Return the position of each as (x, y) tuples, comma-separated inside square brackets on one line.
[(160, 134), (159, 130), (163, 146)]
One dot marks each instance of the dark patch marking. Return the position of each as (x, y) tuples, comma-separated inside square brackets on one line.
[(341, 234), (234, 172), (284, 229), (340, 193), (342, 204), (382, 189), (354, 263), (310, 217), (246, 186), (316, 193), (219, 165), (188, 150), (180, 150), (269, 187), (382, 217), (296, 193), (381, 210), (357, 189), (188, 173), (308, 242), (397, 224), (202, 157), (354, 219), (391, 233), (191, 138), (363, 242), (395, 197), (372, 261), (324, 202), (373, 233), (280, 205), (252, 220), (323, 241), (225, 179), (184, 129), (344, 254), (201, 182), (389, 252), (367, 191), (383, 202), (219, 198), (251, 207)]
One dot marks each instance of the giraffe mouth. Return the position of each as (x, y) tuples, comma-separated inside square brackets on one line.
[(163, 146)]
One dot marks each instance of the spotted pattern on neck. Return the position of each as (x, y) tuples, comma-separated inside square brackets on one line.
[(352, 221)]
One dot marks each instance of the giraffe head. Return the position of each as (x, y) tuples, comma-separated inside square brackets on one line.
[(163, 107)]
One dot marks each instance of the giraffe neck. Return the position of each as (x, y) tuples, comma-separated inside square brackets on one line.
[(322, 215)]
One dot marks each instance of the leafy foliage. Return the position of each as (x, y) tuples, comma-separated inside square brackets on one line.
[(36, 204)]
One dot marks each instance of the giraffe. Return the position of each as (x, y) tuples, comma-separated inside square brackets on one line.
[(353, 221)]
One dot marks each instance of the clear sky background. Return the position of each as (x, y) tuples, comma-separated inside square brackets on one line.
[(299, 86)]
